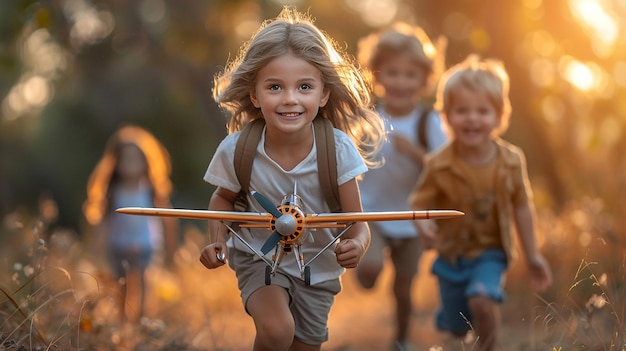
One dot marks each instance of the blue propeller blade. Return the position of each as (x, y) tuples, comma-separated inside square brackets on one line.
[(271, 242), (266, 204)]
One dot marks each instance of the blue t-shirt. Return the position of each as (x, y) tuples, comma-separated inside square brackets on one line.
[(136, 232)]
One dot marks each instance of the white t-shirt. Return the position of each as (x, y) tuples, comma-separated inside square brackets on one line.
[(273, 182), (387, 188)]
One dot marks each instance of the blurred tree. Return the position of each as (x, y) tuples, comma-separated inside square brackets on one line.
[(73, 71)]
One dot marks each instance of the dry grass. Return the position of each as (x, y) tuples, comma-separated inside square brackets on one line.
[(53, 296)]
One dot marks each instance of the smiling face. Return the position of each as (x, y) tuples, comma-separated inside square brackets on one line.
[(472, 118), (402, 78), (289, 91)]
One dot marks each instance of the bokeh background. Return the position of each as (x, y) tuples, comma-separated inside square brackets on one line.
[(73, 71)]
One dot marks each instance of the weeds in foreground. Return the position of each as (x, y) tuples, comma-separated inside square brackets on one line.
[(53, 296)]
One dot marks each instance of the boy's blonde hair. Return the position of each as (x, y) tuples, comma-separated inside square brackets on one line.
[(488, 76), (348, 107), (403, 39)]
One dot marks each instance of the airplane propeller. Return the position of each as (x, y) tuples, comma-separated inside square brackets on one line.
[(284, 224)]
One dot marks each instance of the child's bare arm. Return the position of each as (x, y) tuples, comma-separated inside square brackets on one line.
[(541, 275), (355, 242), (221, 200), (405, 146)]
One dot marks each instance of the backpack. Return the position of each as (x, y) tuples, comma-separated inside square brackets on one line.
[(245, 151)]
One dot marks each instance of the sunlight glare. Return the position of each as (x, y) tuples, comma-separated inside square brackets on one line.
[(30, 94), (579, 74), (36, 91), (43, 55), (375, 13), (89, 25), (14, 105), (598, 21)]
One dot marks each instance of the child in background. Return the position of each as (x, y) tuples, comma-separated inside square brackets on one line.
[(484, 176), (133, 171), (403, 62), (288, 74)]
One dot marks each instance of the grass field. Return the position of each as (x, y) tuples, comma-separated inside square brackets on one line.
[(55, 296)]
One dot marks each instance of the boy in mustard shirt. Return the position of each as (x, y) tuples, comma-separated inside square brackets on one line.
[(484, 176)]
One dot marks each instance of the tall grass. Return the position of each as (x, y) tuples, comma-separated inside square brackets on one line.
[(55, 296)]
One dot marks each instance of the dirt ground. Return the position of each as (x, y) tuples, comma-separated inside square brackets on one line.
[(362, 320)]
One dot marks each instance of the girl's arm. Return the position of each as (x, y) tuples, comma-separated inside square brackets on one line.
[(356, 240), (541, 276), (221, 200)]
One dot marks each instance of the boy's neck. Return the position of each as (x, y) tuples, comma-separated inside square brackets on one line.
[(477, 156), (398, 112)]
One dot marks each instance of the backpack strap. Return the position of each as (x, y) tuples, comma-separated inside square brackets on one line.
[(245, 150), (422, 137), (327, 161)]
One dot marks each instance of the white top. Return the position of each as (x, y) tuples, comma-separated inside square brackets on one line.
[(387, 188), (273, 182)]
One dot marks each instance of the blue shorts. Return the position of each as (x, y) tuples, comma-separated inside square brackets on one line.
[(480, 276)]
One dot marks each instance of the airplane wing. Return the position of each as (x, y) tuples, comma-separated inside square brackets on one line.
[(348, 217), (235, 216), (312, 220)]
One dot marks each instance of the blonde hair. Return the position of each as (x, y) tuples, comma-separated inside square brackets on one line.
[(487, 76), (404, 39), (104, 175), (348, 107)]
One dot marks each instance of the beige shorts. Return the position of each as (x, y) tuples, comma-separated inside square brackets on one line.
[(404, 252), (309, 305)]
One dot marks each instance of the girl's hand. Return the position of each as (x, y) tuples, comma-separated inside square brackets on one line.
[(349, 253), (214, 255)]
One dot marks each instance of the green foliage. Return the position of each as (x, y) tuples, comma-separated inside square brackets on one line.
[(152, 62)]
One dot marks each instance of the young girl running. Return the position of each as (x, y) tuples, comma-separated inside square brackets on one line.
[(288, 74), (133, 171)]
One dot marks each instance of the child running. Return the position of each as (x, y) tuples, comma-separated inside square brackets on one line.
[(133, 171), (288, 74), (484, 176), (403, 62)]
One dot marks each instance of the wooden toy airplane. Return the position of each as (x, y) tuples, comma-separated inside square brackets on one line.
[(288, 224)]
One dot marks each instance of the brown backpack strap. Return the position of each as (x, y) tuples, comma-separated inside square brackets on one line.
[(422, 137), (327, 162), (245, 151)]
